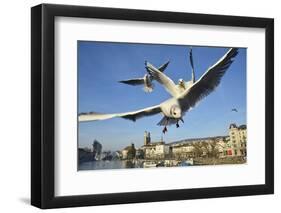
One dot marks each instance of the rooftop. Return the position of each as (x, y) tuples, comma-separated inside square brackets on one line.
[(233, 125), (154, 143), (242, 126), (190, 140)]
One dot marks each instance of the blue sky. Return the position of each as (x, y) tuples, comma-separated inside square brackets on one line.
[(102, 64)]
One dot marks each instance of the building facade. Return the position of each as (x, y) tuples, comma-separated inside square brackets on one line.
[(156, 150), (182, 151), (199, 147), (129, 152), (233, 145), (237, 141)]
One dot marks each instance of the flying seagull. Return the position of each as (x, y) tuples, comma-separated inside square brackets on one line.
[(234, 110), (175, 107), (146, 80), (168, 84)]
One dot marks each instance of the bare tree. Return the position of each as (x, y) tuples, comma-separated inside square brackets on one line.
[(198, 148), (210, 149)]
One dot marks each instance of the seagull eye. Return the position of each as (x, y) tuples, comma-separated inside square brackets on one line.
[(175, 113)]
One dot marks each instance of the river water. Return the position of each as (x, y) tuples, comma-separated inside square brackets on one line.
[(114, 164)]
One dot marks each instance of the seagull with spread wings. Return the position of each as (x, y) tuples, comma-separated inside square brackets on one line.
[(181, 102), (146, 80), (169, 85)]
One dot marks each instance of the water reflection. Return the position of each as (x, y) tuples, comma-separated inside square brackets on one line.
[(115, 164)]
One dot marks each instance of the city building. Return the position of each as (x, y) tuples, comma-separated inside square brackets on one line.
[(147, 138), (180, 151), (218, 147), (118, 154), (237, 141), (129, 152), (106, 155), (84, 155), (199, 147), (156, 150), (97, 149), (139, 153)]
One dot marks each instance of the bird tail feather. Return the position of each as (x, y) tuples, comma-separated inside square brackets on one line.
[(148, 89)]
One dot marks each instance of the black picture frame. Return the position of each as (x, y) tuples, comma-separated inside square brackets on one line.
[(43, 102)]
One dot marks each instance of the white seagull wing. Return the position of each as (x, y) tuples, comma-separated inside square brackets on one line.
[(208, 81), (135, 81), (159, 76), (133, 116)]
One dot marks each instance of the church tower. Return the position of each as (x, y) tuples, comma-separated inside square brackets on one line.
[(146, 138)]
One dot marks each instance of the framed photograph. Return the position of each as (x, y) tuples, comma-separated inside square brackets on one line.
[(140, 106)]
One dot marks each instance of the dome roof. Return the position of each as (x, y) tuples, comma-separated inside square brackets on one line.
[(233, 125)]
